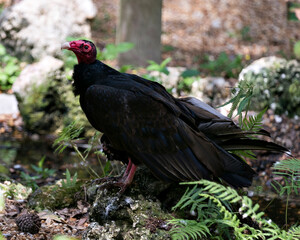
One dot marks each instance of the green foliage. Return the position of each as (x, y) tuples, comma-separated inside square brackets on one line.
[(185, 84), (241, 99), (289, 171), (9, 69), (69, 133), (161, 68), (223, 65), (188, 229), (167, 48), (8, 154), (291, 10), (125, 68), (243, 34), (68, 137), (253, 123), (187, 78), (212, 203), (190, 73), (70, 181), (63, 237), (29, 181), (1, 236), (111, 51), (297, 49), (2, 201), (276, 85), (40, 172)]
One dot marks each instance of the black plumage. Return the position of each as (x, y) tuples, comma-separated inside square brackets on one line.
[(178, 139)]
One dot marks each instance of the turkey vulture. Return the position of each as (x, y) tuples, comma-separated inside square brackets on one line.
[(178, 139)]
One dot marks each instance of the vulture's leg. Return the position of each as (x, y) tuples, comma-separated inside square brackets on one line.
[(122, 182), (127, 169), (127, 178)]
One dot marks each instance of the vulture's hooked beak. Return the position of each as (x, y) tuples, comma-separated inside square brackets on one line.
[(65, 45)]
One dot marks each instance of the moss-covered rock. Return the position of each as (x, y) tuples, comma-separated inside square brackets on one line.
[(16, 191), (56, 196), (45, 96), (139, 213), (276, 84)]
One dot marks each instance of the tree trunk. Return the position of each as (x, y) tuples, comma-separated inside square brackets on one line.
[(139, 22)]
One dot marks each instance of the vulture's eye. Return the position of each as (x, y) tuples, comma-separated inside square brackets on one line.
[(86, 46)]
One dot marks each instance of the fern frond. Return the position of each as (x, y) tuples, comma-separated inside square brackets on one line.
[(211, 203), (289, 170), (223, 193), (253, 123), (71, 132), (241, 99), (294, 233), (292, 165), (188, 229)]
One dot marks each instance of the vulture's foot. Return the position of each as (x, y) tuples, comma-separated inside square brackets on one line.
[(121, 181)]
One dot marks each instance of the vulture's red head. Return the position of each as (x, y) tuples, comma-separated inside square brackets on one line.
[(84, 50)]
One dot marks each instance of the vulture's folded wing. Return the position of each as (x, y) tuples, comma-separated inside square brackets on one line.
[(152, 133)]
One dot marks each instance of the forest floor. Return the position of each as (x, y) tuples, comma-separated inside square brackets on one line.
[(188, 35)]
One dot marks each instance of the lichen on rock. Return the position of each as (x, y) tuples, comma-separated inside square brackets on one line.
[(276, 84), (141, 212), (55, 196), (45, 96)]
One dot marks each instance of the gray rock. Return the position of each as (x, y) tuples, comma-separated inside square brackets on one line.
[(261, 65), (8, 104), (46, 100), (108, 231), (139, 213), (171, 80), (211, 90), (275, 84), (32, 29), (36, 74)]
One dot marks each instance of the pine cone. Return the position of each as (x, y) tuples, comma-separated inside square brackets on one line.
[(29, 222)]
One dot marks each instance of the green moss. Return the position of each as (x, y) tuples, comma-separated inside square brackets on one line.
[(277, 86), (15, 190), (50, 107), (55, 196)]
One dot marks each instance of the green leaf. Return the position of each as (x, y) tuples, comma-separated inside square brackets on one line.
[(190, 73), (124, 47), (111, 51), (2, 50), (63, 237), (153, 66), (1, 236), (3, 76), (165, 62), (10, 69), (2, 201), (125, 68), (41, 162), (243, 104), (297, 49)]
